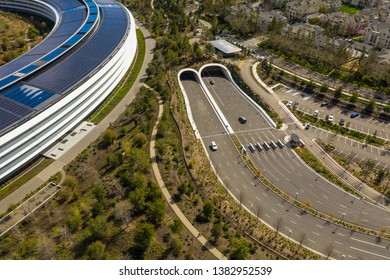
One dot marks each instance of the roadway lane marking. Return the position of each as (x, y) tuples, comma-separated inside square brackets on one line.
[(293, 222), (242, 172), (369, 243), (371, 253), (319, 202), (245, 186), (265, 194), (316, 233), (235, 175), (338, 252), (258, 198), (343, 206), (361, 159), (338, 243), (343, 235), (365, 213), (297, 215), (325, 196), (365, 221), (268, 216), (274, 210), (227, 163), (349, 256), (289, 229), (311, 240), (319, 226)]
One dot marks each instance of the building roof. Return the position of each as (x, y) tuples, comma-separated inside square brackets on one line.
[(225, 47)]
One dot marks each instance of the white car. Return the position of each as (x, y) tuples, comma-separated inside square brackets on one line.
[(289, 104), (330, 118), (315, 113), (214, 146)]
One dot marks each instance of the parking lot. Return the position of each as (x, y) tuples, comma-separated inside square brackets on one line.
[(362, 123)]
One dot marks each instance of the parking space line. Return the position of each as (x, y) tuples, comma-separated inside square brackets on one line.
[(361, 159)]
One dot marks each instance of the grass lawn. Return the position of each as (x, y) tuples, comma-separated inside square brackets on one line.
[(349, 9)]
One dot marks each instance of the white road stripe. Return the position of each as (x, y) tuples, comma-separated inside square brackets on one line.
[(369, 243), (371, 253), (316, 233)]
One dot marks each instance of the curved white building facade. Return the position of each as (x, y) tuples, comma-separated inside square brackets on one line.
[(24, 142)]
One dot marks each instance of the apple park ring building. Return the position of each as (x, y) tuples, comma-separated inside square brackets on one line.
[(52, 88)]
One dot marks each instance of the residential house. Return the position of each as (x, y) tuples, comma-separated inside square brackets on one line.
[(298, 9), (377, 34)]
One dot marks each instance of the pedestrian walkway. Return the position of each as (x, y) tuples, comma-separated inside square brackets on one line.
[(196, 233)]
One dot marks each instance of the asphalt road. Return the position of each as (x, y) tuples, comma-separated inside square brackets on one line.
[(242, 184), (284, 168), (232, 102)]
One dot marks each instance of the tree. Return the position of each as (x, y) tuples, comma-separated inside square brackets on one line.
[(108, 137), (99, 193), (240, 249), (143, 236), (370, 107), (324, 88), (155, 212), (208, 209), (301, 240), (96, 251), (259, 212), (176, 226), (329, 251), (98, 227), (216, 231), (338, 93), (175, 247), (140, 139), (278, 225), (354, 98)]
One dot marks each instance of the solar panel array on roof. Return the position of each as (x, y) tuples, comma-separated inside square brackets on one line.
[(16, 109), (27, 95), (62, 77), (70, 23)]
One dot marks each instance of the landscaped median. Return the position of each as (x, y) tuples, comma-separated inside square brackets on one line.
[(318, 167), (305, 207)]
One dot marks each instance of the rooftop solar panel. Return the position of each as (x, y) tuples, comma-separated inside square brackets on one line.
[(62, 77), (15, 108), (28, 95), (7, 118)]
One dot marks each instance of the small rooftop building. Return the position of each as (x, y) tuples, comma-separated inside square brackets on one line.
[(226, 48)]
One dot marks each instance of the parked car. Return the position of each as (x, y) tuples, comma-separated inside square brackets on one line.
[(355, 115), (342, 122), (289, 104), (315, 113), (330, 118), (307, 125), (295, 105), (214, 146), (212, 82), (242, 119), (324, 103)]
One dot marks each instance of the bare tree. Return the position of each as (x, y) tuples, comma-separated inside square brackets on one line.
[(241, 198), (278, 225), (259, 212), (301, 240), (329, 251)]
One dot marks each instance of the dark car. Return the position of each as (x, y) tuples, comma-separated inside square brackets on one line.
[(242, 119), (323, 104), (342, 122), (355, 115)]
